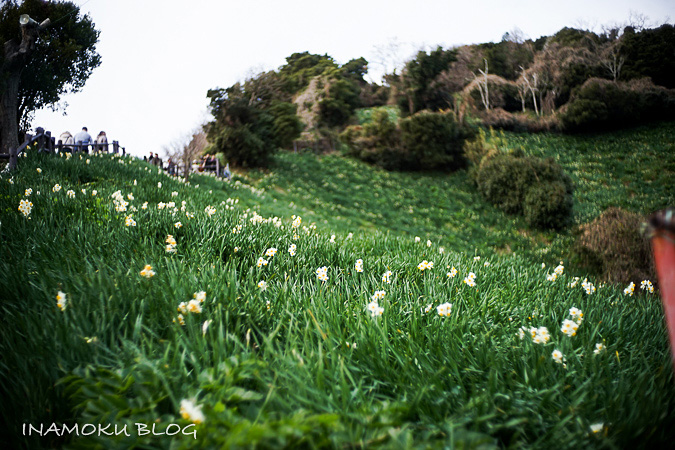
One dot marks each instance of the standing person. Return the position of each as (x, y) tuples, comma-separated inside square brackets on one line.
[(151, 159), (82, 140), (226, 173), (158, 161), (171, 167), (102, 139), (66, 141)]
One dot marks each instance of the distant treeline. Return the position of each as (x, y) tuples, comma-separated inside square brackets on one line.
[(575, 80)]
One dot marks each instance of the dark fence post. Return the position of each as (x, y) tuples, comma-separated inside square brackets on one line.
[(47, 141), (116, 147)]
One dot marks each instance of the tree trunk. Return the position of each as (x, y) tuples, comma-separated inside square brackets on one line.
[(9, 121), (16, 56)]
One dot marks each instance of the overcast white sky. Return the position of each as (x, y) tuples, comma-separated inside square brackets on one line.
[(160, 57)]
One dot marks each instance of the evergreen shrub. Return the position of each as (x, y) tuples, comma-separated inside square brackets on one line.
[(537, 188), (605, 105), (434, 141)]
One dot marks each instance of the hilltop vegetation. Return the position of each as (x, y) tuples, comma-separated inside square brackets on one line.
[(573, 81), (276, 352)]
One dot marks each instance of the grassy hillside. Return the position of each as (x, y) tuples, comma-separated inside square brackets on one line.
[(632, 170), (298, 361)]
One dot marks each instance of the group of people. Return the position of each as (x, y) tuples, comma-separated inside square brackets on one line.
[(155, 160), (205, 163), (82, 140), (208, 163)]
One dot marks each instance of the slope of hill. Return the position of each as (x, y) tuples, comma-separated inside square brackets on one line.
[(633, 170), (271, 332)]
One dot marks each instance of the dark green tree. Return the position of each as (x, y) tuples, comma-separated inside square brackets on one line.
[(650, 53), (417, 76), (339, 105), (356, 69), (40, 64), (251, 121), (300, 68)]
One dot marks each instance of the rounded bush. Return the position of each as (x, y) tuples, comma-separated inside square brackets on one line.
[(613, 246), (537, 188), (434, 141), (548, 205), (604, 105)]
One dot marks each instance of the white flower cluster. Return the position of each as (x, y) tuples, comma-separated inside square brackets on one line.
[(470, 279), (118, 200), (322, 273)]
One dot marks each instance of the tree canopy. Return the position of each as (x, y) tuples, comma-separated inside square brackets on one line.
[(62, 60)]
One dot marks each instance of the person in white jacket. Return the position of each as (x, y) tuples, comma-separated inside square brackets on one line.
[(67, 141), (101, 139)]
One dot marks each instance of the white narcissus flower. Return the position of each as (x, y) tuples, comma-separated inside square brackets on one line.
[(194, 306), (386, 277), (61, 300), (378, 295), (444, 310), (597, 427), (147, 271), (190, 411)]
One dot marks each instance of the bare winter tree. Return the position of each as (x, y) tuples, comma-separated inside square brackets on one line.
[(612, 60), (186, 149), (459, 74), (483, 86), (530, 80)]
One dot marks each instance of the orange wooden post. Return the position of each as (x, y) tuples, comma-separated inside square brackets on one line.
[(661, 227)]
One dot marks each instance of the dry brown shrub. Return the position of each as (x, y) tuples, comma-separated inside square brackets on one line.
[(614, 246), (501, 119)]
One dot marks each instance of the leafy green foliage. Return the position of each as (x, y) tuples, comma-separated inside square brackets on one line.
[(300, 68), (536, 188), (648, 53), (602, 105), (337, 108), (417, 78), (424, 141), (505, 58), (433, 141), (248, 132), (376, 142)]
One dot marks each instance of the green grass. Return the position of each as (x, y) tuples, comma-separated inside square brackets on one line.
[(632, 170), (365, 115), (281, 374)]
